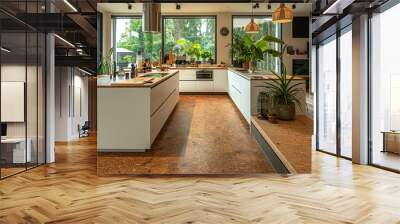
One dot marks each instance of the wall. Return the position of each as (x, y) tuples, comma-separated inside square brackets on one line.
[(71, 102)]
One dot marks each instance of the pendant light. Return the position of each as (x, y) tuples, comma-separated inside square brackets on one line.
[(252, 27), (282, 14)]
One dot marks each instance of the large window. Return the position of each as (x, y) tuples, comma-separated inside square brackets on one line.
[(129, 39), (190, 36), (345, 43), (326, 101), (385, 89), (267, 27)]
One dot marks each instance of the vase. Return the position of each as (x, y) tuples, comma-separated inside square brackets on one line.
[(252, 66), (287, 112)]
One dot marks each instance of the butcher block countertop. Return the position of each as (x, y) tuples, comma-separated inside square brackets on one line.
[(145, 80)]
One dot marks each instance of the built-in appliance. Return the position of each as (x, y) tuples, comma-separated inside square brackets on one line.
[(205, 75)]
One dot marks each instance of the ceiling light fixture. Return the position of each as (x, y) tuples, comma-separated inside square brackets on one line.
[(269, 6), (252, 27), (282, 14), (178, 7), (5, 50), (65, 41), (70, 5), (294, 6)]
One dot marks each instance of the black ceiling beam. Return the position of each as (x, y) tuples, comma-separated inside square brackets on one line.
[(203, 1)]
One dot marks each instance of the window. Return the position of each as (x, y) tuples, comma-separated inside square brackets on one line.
[(190, 36), (385, 89), (129, 39), (326, 101), (345, 43), (267, 27)]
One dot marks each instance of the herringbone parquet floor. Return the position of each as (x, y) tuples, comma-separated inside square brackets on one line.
[(71, 192)]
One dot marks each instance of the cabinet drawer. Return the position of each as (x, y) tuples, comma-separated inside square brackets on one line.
[(187, 74), (196, 86)]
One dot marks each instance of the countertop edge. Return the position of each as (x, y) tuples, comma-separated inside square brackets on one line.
[(152, 85)]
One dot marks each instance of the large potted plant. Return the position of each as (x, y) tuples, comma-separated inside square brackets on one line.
[(257, 48), (285, 94)]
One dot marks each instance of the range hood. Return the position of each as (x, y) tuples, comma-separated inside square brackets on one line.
[(152, 17)]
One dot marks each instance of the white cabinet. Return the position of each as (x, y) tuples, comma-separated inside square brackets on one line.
[(240, 92), (188, 82), (220, 80), (196, 86)]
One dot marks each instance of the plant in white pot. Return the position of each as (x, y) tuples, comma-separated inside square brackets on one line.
[(285, 94)]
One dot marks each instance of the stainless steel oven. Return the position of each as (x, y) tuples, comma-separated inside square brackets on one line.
[(204, 75)]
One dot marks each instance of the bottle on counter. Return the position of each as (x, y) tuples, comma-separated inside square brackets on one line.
[(133, 71), (139, 63)]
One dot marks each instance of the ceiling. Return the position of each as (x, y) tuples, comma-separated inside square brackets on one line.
[(122, 8)]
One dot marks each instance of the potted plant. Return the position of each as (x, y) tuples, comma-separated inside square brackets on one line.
[(284, 94), (256, 49), (206, 55), (105, 64)]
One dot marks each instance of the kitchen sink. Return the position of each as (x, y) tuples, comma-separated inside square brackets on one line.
[(155, 75)]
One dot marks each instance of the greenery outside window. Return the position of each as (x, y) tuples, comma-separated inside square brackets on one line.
[(190, 36), (267, 27), (129, 38)]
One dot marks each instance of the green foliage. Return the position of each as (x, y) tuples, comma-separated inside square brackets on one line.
[(239, 51), (189, 36), (105, 65), (281, 90)]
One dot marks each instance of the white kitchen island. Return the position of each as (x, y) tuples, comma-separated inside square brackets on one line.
[(131, 114)]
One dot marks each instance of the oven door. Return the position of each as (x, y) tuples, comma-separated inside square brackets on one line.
[(206, 75)]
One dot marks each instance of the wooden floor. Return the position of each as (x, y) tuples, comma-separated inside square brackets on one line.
[(69, 191), (205, 134)]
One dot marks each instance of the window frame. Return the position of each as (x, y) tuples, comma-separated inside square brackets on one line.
[(113, 31), (175, 16), (255, 16)]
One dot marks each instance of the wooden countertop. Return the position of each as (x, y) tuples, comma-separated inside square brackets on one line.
[(140, 82), (259, 75), (290, 140), (200, 67)]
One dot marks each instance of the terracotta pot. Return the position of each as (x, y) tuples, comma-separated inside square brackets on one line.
[(287, 112)]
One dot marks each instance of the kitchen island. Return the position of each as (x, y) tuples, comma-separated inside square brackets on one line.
[(131, 112)]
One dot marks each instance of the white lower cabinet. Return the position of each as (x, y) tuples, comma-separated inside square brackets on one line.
[(239, 89), (196, 86), (188, 82), (220, 80)]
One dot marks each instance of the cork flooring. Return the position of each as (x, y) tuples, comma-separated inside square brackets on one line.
[(291, 141), (205, 134)]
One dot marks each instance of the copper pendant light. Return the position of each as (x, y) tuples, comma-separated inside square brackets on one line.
[(282, 14), (252, 27)]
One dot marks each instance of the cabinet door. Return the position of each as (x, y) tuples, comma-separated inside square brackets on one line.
[(204, 86), (187, 86), (187, 74), (220, 80)]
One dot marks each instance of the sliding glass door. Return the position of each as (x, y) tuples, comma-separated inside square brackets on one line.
[(385, 89), (327, 93)]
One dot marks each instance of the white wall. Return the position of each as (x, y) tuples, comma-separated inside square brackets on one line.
[(70, 83)]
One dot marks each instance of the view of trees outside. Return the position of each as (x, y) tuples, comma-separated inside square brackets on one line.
[(267, 27), (129, 38), (182, 34)]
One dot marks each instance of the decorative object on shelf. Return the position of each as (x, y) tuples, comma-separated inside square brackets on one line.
[(290, 50), (252, 27), (284, 94), (224, 31), (282, 14)]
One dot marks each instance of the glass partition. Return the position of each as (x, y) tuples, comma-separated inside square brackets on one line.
[(22, 77)]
